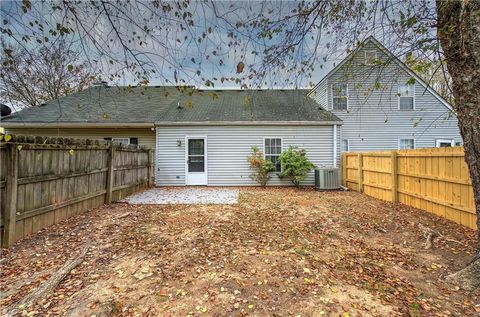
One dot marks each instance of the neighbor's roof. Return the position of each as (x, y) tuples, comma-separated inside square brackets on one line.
[(101, 105), (144, 106), (246, 106)]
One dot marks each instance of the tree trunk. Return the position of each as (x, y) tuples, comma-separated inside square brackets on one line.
[(459, 33)]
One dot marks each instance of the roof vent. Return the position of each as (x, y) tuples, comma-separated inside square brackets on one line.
[(100, 84)]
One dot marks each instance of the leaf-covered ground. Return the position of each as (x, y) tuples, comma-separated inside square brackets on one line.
[(279, 252)]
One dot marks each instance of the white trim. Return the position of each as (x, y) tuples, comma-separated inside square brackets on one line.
[(249, 123), (281, 150), (348, 97), (52, 125), (398, 96), (407, 138), (438, 141), (205, 154), (335, 140), (365, 57)]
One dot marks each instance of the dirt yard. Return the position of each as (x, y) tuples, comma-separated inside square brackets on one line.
[(279, 252)]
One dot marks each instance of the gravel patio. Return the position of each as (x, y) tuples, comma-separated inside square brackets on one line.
[(277, 252)]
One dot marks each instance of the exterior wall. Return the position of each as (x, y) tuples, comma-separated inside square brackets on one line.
[(146, 136), (373, 121), (229, 146)]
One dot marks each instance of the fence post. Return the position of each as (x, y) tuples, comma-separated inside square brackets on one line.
[(394, 177), (344, 169), (110, 173), (360, 172), (10, 216), (149, 172)]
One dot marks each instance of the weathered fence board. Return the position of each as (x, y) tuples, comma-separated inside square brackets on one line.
[(433, 179), (46, 180)]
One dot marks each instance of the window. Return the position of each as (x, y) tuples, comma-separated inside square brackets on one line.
[(125, 141), (406, 144), (406, 99), (444, 143), (345, 146), (370, 57), (273, 149), (340, 96), (458, 143)]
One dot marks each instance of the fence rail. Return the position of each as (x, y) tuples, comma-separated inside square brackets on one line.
[(46, 180), (433, 179)]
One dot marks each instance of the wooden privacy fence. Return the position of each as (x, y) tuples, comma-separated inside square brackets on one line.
[(46, 180), (432, 179)]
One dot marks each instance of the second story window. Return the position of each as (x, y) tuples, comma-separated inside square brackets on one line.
[(406, 96), (370, 57), (339, 96)]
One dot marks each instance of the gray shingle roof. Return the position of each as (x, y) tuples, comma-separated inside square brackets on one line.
[(246, 105), (102, 105), (160, 104)]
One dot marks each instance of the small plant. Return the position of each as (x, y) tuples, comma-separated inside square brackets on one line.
[(295, 165), (260, 166)]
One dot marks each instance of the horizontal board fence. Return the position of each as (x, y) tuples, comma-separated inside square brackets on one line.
[(432, 179), (46, 180)]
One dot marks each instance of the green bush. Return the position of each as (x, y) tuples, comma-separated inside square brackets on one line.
[(261, 167), (295, 165)]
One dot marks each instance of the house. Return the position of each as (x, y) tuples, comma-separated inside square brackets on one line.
[(370, 101), (199, 137), (383, 104)]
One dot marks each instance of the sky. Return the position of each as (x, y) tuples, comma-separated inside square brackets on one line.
[(198, 44)]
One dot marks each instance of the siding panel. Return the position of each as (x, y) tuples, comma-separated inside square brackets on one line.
[(229, 146), (373, 121)]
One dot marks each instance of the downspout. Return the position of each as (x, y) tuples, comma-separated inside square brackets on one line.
[(335, 145)]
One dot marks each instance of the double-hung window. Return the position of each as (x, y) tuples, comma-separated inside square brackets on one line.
[(345, 145), (124, 141), (339, 96), (273, 149), (406, 144), (406, 96), (444, 143)]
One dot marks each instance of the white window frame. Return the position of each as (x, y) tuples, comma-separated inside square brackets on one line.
[(120, 140), (348, 145), (400, 140), (413, 96), (348, 97), (438, 141), (281, 149), (365, 57)]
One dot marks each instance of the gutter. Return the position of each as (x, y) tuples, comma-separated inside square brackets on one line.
[(76, 125), (249, 123)]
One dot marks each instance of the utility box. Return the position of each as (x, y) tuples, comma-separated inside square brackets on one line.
[(327, 178)]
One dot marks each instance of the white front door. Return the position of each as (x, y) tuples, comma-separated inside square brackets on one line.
[(196, 161)]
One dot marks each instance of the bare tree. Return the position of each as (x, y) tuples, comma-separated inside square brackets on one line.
[(30, 77)]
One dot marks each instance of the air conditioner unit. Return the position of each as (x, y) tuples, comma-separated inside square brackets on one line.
[(327, 178)]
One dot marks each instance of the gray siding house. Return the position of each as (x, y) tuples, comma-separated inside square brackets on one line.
[(383, 104), (199, 137), (209, 144)]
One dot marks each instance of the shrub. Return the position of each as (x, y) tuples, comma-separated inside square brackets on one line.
[(295, 165), (260, 166)]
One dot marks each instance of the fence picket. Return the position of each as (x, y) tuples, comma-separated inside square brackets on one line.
[(433, 179), (53, 183)]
